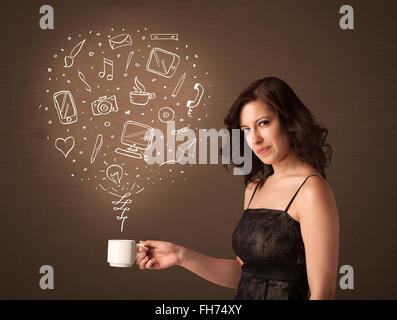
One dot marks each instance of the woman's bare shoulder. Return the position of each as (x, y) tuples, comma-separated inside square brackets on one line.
[(316, 191), (317, 186)]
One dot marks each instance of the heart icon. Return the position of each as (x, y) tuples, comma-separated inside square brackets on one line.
[(64, 145)]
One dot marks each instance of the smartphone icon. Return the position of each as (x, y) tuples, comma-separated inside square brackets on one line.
[(65, 106), (162, 62)]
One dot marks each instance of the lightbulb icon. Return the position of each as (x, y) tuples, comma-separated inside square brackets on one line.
[(115, 173)]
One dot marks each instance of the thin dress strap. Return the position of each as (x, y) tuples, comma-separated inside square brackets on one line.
[(257, 185), (286, 210)]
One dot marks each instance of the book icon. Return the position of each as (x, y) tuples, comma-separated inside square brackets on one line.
[(162, 62)]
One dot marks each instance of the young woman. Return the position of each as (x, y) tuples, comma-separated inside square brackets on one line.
[(287, 241)]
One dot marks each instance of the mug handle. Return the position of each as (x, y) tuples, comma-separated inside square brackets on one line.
[(136, 248)]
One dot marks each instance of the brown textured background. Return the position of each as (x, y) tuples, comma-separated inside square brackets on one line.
[(346, 78)]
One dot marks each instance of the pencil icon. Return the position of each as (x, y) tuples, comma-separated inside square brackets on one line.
[(179, 85), (97, 147)]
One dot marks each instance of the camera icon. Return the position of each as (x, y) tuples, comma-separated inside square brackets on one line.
[(104, 105)]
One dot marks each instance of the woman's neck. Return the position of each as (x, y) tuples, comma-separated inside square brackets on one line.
[(290, 165)]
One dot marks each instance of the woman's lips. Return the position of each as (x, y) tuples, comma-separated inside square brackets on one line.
[(263, 150)]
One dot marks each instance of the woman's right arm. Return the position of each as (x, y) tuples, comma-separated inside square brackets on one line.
[(161, 255), (223, 272)]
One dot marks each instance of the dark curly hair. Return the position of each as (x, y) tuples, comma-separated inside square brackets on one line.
[(306, 138)]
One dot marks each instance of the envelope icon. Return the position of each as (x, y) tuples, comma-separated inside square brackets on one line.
[(120, 41)]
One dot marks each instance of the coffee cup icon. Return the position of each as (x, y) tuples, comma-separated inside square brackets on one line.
[(139, 96)]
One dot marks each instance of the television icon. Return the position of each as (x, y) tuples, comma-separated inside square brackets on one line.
[(138, 137)]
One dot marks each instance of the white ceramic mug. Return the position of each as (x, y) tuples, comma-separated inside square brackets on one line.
[(122, 253)]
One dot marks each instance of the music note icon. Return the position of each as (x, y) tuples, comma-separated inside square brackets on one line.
[(107, 64)]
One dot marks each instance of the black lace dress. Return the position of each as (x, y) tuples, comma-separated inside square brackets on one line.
[(271, 246)]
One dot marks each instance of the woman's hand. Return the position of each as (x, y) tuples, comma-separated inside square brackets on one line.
[(158, 255)]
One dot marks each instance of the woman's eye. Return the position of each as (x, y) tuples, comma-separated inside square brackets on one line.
[(263, 122), (246, 130)]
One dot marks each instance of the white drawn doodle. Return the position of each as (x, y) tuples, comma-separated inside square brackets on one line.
[(82, 78), (97, 147), (115, 173), (139, 191), (138, 137), (65, 106), (104, 105), (164, 36), (120, 73), (69, 60), (107, 64), (124, 201), (194, 103), (162, 62), (128, 63), (65, 145), (182, 130), (166, 114), (178, 85), (139, 96), (119, 41), (186, 148)]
